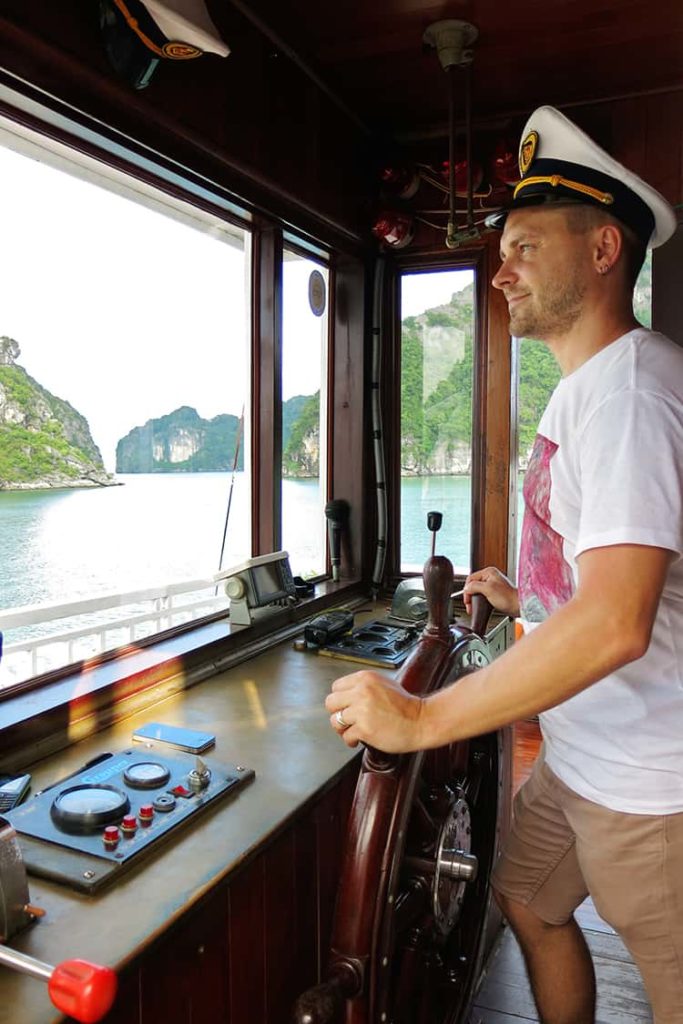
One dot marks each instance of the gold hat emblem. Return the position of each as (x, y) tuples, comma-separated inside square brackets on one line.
[(180, 51), (527, 152)]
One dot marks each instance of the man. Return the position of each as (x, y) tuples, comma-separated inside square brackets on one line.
[(600, 592)]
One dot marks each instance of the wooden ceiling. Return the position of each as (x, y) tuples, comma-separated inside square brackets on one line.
[(564, 52)]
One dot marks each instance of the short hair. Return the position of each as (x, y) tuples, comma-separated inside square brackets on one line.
[(582, 217)]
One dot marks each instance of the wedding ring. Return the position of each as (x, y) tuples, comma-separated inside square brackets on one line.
[(340, 720)]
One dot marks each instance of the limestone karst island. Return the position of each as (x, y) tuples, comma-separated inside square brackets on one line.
[(44, 441)]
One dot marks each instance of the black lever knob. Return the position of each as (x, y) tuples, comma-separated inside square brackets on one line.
[(434, 521)]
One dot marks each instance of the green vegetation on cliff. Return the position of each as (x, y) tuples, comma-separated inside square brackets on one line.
[(181, 442), (184, 442), (43, 439), (301, 451), (436, 383)]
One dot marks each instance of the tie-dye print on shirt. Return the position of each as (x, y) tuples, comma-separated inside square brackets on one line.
[(545, 578)]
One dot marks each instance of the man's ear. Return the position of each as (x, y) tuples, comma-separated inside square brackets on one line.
[(608, 247)]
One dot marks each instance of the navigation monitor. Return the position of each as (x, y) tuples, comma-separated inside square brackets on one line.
[(256, 583)]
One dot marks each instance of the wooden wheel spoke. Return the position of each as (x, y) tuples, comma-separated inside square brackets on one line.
[(475, 776), (410, 906), (423, 829)]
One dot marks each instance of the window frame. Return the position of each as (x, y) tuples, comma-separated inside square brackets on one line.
[(493, 410), (110, 678)]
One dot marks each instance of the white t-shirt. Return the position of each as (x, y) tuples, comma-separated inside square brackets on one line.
[(607, 468)]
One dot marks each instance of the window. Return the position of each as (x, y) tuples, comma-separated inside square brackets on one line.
[(123, 373), (437, 334), (304, 428)]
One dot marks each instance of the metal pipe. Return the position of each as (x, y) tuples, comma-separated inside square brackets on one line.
[(451, 229), (377, 439), (24, 963), (468, 144)]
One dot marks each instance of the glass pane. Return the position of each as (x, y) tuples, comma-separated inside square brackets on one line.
[(304, 372), (123, 371), (437, 333)]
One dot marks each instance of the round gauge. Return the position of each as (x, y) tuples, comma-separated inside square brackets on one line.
[(146, 775), (82, 809), (317, 296)]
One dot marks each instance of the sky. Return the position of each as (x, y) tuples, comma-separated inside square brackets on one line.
[(426, 290), (128, 314)]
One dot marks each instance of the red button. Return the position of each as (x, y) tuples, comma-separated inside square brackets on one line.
[(129, 823), (181, 791), (145, 814), (111, 835)]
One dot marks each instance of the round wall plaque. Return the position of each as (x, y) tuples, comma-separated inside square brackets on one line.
[(317, 293)]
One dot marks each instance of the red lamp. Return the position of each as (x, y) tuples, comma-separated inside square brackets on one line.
[(505, 165), (460, 169), (394, 229), (400, 181)]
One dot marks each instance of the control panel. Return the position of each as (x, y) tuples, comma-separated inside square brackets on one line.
[(85, 830)]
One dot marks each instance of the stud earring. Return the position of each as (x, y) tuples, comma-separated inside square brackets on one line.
[(604, 268)]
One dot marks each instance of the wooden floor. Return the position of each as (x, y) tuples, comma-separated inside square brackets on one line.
[(505, 996)]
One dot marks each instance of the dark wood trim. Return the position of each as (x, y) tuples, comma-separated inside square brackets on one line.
[(667, 306), (349, 434), (492, 430), (266, 412), (514, 524), (491, 404)]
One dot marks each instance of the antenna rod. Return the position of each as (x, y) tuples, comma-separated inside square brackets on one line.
[(238, 440)]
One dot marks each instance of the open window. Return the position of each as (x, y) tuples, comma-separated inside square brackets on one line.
[(305, 286), (437, 353), (124, 391)]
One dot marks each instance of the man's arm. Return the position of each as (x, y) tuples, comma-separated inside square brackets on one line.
[(605, 625)]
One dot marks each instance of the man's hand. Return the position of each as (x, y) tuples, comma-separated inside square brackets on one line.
[(497, 588), (374, 710)]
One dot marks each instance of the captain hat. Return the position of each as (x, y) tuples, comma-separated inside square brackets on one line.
[(560, 163)]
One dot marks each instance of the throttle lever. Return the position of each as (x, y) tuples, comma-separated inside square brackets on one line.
[(77, 988), (481, 613)]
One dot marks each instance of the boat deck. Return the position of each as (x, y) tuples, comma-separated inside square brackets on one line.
[(505, 996)]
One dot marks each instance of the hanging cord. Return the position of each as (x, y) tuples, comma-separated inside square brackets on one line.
[(468, 145), (238, 441), (451, 240), (380, 476)]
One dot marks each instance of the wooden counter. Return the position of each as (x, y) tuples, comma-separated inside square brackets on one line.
[(230, 919)]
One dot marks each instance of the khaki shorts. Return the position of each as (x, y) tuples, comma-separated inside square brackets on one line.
[(563, 847)]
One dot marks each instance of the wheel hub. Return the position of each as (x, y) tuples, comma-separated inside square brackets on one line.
[(455, 865)]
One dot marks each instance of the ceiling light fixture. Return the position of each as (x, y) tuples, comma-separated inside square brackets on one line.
[(453, 40)]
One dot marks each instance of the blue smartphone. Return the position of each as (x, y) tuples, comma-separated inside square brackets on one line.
[(192, 740)]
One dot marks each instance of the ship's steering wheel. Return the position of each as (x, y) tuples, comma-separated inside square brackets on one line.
[(413, 897)]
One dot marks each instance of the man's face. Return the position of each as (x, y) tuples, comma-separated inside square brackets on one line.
[(544, 272)]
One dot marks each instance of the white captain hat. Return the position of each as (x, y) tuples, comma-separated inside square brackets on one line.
[(560, 163)]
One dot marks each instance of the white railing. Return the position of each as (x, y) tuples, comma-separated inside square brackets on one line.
[(92, 625)]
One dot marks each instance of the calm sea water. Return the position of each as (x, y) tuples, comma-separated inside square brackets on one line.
[(59, 545)]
